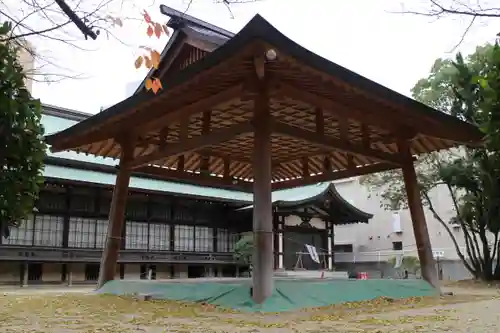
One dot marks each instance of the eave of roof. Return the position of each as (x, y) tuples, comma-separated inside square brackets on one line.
[(259, 28), (56, 172), (330, 191), (186, 25), (323, 191), (177, 15)]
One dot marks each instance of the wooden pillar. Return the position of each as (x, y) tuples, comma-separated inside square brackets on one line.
[(263, 256), (109, 257), (24, 274), (419, 223), (69, 274)]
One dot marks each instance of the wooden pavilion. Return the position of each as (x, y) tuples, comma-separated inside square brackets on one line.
[(262, 112)]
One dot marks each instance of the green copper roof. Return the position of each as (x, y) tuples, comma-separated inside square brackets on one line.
[(54, 124), (52, 171)]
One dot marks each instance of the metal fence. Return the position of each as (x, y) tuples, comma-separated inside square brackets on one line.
[(387, 255)]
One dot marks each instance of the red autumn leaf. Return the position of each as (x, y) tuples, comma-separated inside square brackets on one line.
[(158, 82), (150, 31), (158, 30), (147, 18), (138, 61), (156, 85)]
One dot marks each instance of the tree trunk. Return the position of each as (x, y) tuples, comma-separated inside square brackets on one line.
[(450, 233)]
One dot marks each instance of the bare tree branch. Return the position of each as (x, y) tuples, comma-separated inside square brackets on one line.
[(76, 20), (472, 11), (36, 22)]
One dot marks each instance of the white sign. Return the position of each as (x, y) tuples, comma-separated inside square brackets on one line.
[(313, 253), (438, 254)]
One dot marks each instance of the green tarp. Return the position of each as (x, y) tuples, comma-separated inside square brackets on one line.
[(288, 295)]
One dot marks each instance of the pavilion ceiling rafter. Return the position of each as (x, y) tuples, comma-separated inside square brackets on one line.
[(343, 112), (333, 143), (195, 143)]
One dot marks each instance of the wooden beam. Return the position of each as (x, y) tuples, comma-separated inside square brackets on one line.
[(305, 167), (163, 137), (180, 163), (259, 64), (336, 108), (344, 133), (227, 167), (196, 178), (116, 215), (333, 175), (148, 120), (194, 143), (205, 130), (204, 151), (183, 135), (327, 164), (420, 230), (223, 156), (365, 139), (333, 143), (320, 121)]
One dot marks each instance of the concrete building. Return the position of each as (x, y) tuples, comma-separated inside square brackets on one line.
[(388, 234)]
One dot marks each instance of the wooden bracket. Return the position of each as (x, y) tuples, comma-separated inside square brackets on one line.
[(260, 66)]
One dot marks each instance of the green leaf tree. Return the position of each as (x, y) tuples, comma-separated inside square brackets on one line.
[(243, 250), (22, 147), (468, 88)]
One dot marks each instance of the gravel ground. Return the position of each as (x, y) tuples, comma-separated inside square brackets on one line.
[(74, 310)]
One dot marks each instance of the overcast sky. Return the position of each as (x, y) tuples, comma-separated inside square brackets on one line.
[(362, 35)]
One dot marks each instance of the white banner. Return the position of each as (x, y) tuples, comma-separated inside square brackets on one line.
[(313, 253), (399, 261)]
